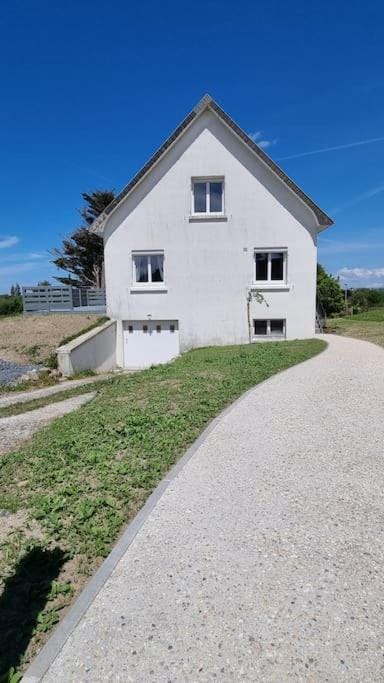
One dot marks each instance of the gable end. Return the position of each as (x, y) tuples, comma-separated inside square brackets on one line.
[(207, 102)]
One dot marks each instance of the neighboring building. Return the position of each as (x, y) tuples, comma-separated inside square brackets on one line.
[(207, 223)]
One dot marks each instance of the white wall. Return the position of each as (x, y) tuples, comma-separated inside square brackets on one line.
[(94, 350), (209, 264)]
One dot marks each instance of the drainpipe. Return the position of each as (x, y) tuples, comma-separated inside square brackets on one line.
[(249, 297)]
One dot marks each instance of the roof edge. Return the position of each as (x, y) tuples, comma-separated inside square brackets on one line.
[(324, 221)]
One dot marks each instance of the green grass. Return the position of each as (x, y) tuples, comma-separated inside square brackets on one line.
[(42, 382), (19, 408), (373, 315), (27, 385), (100, 321), (368, 326), (83, 477)]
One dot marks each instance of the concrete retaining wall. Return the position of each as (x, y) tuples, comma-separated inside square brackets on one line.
[(94, 350)]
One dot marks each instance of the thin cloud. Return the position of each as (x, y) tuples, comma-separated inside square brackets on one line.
[(9, 241), (26, 273), (324, 150), (377, 189), (327, 246), (362, 277), (17, 268), (257, 137), (8, 257), (360, 273)]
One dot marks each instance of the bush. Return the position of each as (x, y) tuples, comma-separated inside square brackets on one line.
[(364, 298), (10, 305), (329, 292)]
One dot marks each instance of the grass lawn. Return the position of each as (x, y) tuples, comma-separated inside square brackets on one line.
[(368, 326), (73, 487), (18, 408)]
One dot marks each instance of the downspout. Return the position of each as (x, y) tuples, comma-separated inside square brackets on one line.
[(249, 298)]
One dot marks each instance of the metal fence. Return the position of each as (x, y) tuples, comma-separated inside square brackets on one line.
[(95, 297), (60, 299)]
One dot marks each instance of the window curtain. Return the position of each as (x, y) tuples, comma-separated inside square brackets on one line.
[(157, 265)]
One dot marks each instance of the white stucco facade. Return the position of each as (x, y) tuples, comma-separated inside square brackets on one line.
[(209, 266)]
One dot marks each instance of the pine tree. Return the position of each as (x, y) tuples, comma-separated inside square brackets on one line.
[(82, 254)]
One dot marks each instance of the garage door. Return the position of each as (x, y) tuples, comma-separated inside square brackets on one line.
[(150, 342)]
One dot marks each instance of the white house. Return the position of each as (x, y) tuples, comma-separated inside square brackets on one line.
[(210, 243)]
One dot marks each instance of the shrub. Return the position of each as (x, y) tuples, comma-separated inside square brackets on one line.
[(10, 305), (329, 292), (364, 298)]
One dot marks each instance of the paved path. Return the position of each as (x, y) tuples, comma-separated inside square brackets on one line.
[(23, 396), (264, 558), (17, 428)]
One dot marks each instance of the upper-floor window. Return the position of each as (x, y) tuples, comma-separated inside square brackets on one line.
[(271, 265), (148, 267), (208, 196)]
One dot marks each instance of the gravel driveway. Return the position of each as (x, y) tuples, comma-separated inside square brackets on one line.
[(264, 558), (10, 371)]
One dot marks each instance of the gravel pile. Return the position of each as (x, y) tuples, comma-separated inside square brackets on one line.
[(10, 372)]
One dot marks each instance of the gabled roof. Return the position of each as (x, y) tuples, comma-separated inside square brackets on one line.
[(208, 103)]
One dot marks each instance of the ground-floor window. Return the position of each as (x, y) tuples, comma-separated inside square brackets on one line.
[(275, 327), (148, 268)]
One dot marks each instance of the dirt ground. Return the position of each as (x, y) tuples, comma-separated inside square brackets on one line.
[(32, 338)]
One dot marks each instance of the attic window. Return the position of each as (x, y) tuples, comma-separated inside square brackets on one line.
[(208, 196)]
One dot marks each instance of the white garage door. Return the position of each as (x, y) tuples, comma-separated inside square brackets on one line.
[(148, 342)]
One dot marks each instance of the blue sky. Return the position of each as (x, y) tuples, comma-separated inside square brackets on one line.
[(90, 89)]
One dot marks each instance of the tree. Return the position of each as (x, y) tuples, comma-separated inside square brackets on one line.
[(15, 290), (364, 298), (329, 292), (44, 283), (82, 254)]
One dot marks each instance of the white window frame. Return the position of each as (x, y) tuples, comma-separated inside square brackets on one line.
[(149, 284), (269, 334), (207, 181), (269, 251)]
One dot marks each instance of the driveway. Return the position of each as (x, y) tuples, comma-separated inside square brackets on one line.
[(264, 558)]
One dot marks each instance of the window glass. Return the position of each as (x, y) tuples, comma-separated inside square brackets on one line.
[(141, 265), (148, 268), (200, 197), (261, 266), (260, 326), (157, 267), (216, 197), (277, 326), (277, 266)]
